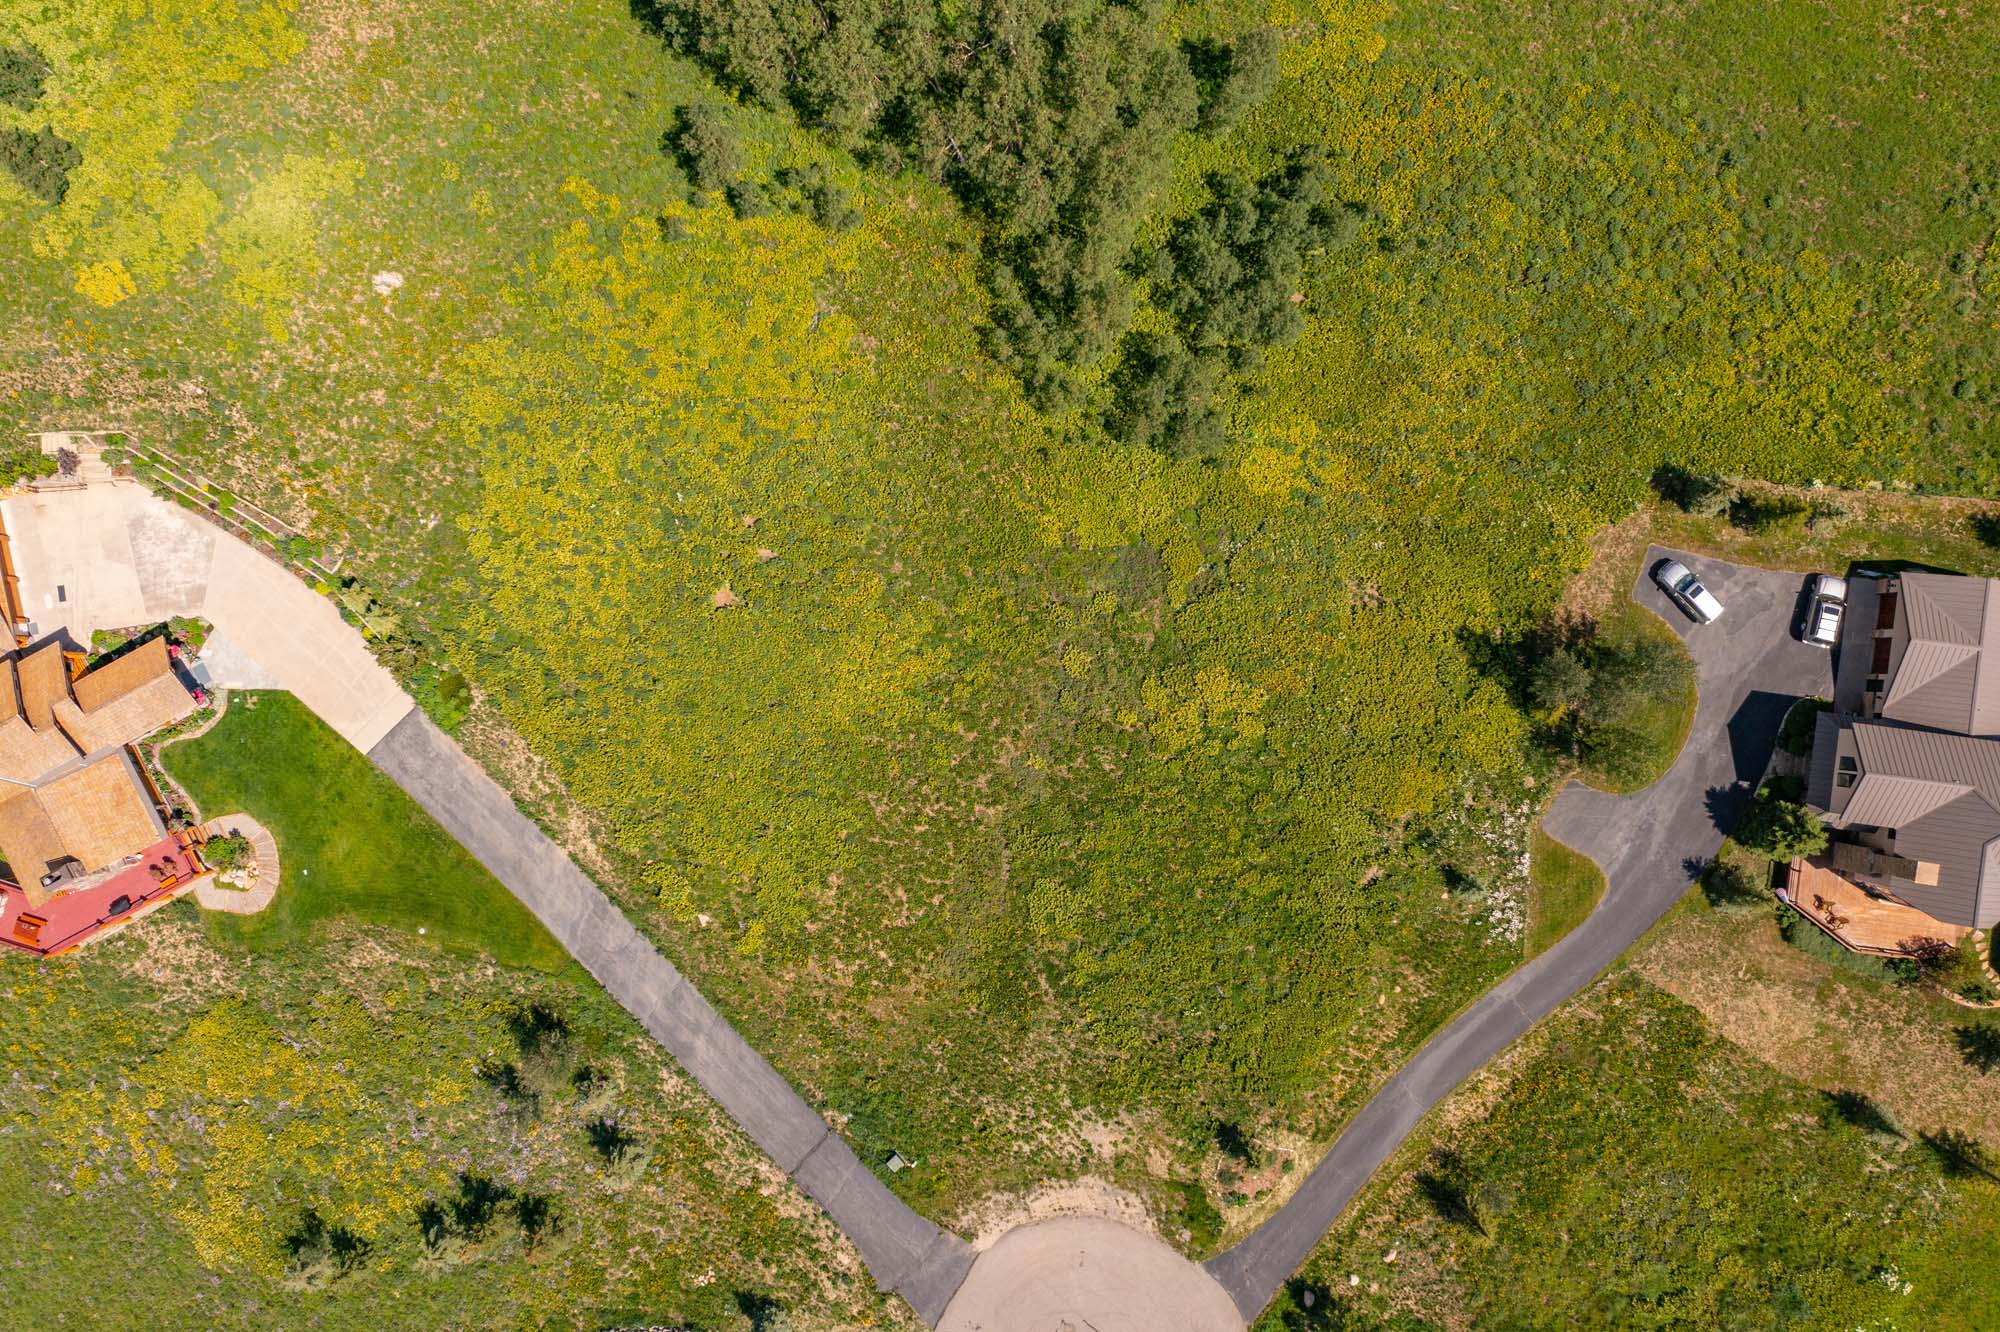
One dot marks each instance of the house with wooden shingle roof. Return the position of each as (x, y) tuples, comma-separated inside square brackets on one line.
[(83, 836)]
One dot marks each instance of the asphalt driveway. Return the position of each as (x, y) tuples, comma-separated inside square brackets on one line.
[(1751, 668)]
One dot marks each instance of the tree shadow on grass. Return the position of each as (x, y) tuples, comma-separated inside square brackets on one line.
[(476, 1203), (1443, 1187), (1959, 1155), (318, 1253), (1858, 1109), (1726, 886), (1979, 1045), (761, 1310), (610, 1140)]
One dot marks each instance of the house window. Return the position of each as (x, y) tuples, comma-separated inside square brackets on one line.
[(1846, 771), (1885, 611), (1881, 662)]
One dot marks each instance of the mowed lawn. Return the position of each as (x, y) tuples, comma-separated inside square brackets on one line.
[(1564, 885), (353, 845)]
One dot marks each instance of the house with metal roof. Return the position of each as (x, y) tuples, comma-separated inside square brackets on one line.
[(1905, 768), (1922, 648), (84, 844)]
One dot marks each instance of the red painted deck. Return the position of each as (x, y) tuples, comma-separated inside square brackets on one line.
[(75, 917)]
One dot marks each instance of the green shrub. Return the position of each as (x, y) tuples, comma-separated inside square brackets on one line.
[(25, 463), (231, 851), (1769, 514), (1704, 495), (704, 142), (1779, 828), (443, 694), (1198, 1216), (22, 70), (1163, 396), (1230, 78), (40, 161), (747, 199), (1795, 735), (829, 205)]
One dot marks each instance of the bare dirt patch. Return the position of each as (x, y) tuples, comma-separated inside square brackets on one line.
[(987, 1220), (519, 770), (179, 963)]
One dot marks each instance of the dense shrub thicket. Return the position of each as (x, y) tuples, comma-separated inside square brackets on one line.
[(41, 161), (22, 70), (1227, 278), (1051, 120)]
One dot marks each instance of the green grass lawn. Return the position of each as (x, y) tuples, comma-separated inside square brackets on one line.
[(352, 844), (1564, 885)]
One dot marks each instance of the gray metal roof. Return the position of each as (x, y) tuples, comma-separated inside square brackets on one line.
[(1938, 796), (1940, 672)]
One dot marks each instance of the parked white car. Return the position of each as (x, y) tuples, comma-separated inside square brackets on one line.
[(1678, 581), (1829, 608)]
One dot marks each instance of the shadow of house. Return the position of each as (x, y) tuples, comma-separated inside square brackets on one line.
[(1753, 733)]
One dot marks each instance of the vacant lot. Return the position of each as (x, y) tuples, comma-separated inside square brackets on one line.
[(1018, 789), (357, 1130), (1630, 1166)]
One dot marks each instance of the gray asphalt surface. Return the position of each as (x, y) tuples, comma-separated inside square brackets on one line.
[(906, 1254), (1751, 668)]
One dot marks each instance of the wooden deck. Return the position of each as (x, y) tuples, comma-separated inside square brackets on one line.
[(1859, 919)]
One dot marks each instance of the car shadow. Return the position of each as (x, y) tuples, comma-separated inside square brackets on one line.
[(1802, 610)]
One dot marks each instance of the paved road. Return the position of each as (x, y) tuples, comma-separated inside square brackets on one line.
[(906, 1254), (1085, 1272), (1751, 668)]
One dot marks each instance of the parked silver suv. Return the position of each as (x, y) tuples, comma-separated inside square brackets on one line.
[(1829, 608), (1678, 581)]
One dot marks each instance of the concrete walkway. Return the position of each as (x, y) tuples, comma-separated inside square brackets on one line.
[(1650, 845)]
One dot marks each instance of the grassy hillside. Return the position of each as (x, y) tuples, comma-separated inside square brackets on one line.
[(1002, 779), (370, 1133), (1857, 129), (1631, 1169), (1723, 1133)]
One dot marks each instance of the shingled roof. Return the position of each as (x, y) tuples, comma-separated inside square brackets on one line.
[(125, 699), (94, 816)]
